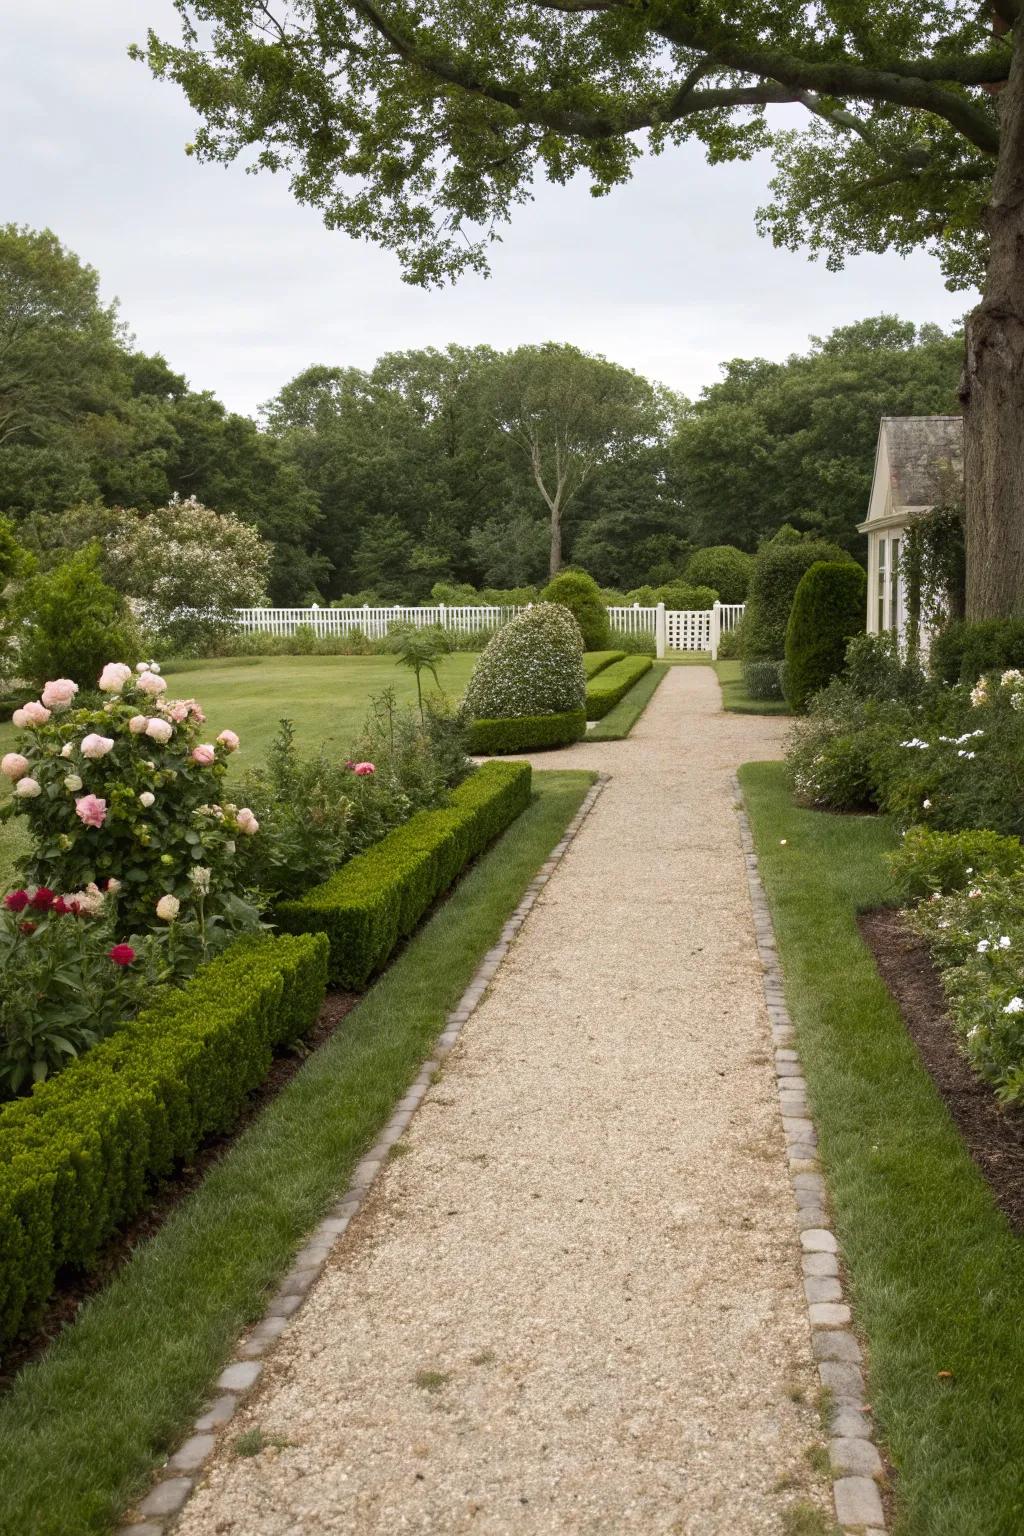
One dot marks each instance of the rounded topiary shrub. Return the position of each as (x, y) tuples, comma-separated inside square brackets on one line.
[(829, 608), (531, 671), (778, 567), (723, 567), (581, 594)]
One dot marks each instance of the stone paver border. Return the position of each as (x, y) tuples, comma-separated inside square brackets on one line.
[(179, 1476), (856, 1464)]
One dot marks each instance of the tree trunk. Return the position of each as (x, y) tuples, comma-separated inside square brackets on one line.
[(556, 540), (992, 387)]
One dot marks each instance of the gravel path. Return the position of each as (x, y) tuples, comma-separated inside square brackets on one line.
[(574, 1304)]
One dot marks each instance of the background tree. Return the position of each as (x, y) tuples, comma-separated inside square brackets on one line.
[(423, 126)]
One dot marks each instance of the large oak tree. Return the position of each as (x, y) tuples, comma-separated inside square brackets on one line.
[(421, 123)]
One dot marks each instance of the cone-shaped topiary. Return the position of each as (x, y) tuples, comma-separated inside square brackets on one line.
[(534, 666), (581, 594), (829, 608)]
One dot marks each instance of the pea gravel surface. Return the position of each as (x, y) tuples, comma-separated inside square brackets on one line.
[(573, 1301)]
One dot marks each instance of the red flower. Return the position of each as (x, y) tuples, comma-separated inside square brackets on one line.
[(60, 906), (28, 927), (121, 954), (16, 901), (43, 899)]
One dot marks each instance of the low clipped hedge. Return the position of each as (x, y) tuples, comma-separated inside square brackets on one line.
[(379, 896), (608, 687), (526, 733), (596, 661), (80, 1154)]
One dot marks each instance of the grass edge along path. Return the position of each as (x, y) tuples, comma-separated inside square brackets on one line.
[(936, 1276), (620, 720), (82, 1429)]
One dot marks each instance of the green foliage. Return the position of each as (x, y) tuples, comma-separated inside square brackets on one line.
[(778, 567), (613, 683), (419, 650), (534, 666), (378, 898), (724, 568), (730, 645), (68, 623), (828, 611), (580, 593), (928, 861), (78, 1158), (877, 669), (596, 661), (674, 594), (526, 733), (962, 652), (763, 679)]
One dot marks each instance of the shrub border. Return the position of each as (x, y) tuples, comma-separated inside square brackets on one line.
[(596, 661), (526, 733), (176, 1480), (612, 685)]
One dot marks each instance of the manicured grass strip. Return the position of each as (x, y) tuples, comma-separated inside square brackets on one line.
[(81, 1430), (596, 661), (735, 697), (618, 722), (605, 690), (937, 1278)]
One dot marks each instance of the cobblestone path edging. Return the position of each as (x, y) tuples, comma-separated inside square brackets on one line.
[(157, 1511), (856, 1464)]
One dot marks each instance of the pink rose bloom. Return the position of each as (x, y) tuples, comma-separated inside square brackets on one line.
[(137, 724), (160, 730), (228, 740), (247, 822), (204, 754), (176, 710), (13, 765), (60, 693), (151, 684), (31, 714), (114, 676), (364, 769), (19, 720), (95, 747), (91, 811), (28, 788), (198, 715)]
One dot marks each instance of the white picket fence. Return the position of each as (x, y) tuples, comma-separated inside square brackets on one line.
[(698, 629)]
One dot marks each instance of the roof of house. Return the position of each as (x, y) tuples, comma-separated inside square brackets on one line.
[(924, 453)]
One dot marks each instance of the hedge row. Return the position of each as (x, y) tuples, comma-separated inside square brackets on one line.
[(526, 733), (80, 1154), (611, 685), (596, 661), (379, 896)]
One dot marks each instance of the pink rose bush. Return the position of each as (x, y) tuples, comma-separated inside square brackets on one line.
[(126, 790)]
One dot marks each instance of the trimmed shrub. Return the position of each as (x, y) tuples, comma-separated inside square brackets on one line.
[(730, 645), (763, 679), (378, 897), (675, 594), (962, 652), (78, 1157), (534, 666), (581, 594), (828, 610), (69, 623), (527, 733), (929, 861), (605, 691), (723, 567), (778, 567), (596, 661)]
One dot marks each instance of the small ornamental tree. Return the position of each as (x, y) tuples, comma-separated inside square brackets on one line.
[(723, 567), (67, 621), (778, 567), (828, 610), (581, 594), (127, 791), (534, 666)]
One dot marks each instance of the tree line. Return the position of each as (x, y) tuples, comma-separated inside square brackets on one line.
[(462, 465)]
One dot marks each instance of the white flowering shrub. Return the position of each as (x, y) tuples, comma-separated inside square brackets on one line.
[(534, 666)]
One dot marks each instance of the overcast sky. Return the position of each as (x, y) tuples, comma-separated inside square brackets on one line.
[(240, 288)]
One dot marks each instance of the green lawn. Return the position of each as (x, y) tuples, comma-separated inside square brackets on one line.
[(735, 697), (81, 1430), (620, 720), (936, 1276)]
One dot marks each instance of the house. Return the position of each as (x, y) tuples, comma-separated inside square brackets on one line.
[(919, 464)]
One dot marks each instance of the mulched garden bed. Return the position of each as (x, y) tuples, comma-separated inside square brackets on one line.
[(74, 1289), (994, 1135)]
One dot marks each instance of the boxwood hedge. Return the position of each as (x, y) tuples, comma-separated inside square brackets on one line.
[(527, 733), (609, 686), (378, 897), (79, 1156), (596, 661)]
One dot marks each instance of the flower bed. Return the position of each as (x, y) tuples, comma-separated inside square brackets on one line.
[(377, 898), (613, 683), (78, 1157)]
